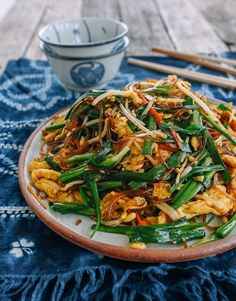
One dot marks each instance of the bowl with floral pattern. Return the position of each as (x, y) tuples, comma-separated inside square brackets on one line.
[(86, 73)]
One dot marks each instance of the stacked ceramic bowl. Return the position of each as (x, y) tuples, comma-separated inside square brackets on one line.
[(84, 53)]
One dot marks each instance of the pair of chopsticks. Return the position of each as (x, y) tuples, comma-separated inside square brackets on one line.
[(197, 59)]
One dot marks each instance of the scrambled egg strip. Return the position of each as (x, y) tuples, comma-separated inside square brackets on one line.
[(47, 180)]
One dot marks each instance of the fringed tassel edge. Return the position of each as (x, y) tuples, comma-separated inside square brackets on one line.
[(103, 283)]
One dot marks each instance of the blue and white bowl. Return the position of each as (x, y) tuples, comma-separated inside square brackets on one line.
[(86, 73), (83, 37)]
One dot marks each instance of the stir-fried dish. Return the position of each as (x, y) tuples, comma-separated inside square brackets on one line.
[(153, 161)]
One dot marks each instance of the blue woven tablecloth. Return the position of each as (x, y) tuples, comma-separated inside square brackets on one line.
[(37, 264)]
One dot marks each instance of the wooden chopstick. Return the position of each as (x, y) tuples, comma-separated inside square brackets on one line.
[(193, 58), (196, 76), (218, 59)]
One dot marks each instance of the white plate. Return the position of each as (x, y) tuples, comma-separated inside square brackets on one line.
[(113, 245)]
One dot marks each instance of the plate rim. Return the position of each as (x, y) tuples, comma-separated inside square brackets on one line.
[(118, 252)]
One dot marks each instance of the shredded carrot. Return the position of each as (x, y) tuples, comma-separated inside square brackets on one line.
[(166, 147), (160, 156), (69, 140), (138, 218), (175, 136), (73, 123), (77, 143), (231, 132), (146, 222), (81, 149), (213, 132), (141, 96), (151, 110), (156, 115)]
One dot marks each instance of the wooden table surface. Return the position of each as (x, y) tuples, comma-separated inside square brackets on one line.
[(188, 25)]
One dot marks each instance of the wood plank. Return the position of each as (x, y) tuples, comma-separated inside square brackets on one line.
[(222, 18), (146, 27), (17, 28), (5, 7), (55, 10), (101, 8), (188, 28)]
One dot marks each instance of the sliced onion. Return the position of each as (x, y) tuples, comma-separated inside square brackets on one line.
[(148, 96), (130, 87), (138, 146), (91, 122), (132, 137), (148, 107), (186, 171), (128, 114), (215, 179), (159, 83), (197, 100), (219, 141), (129, 143), (150, 84), (158, 134), (180, 171), (67, 186), (131, 94), (85, 120), (167, 209), (133, 113)]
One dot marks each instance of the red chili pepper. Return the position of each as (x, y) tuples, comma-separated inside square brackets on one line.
[(166, 147), (156, 115)]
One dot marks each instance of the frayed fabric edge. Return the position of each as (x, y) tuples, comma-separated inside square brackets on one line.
[(104, 283)]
